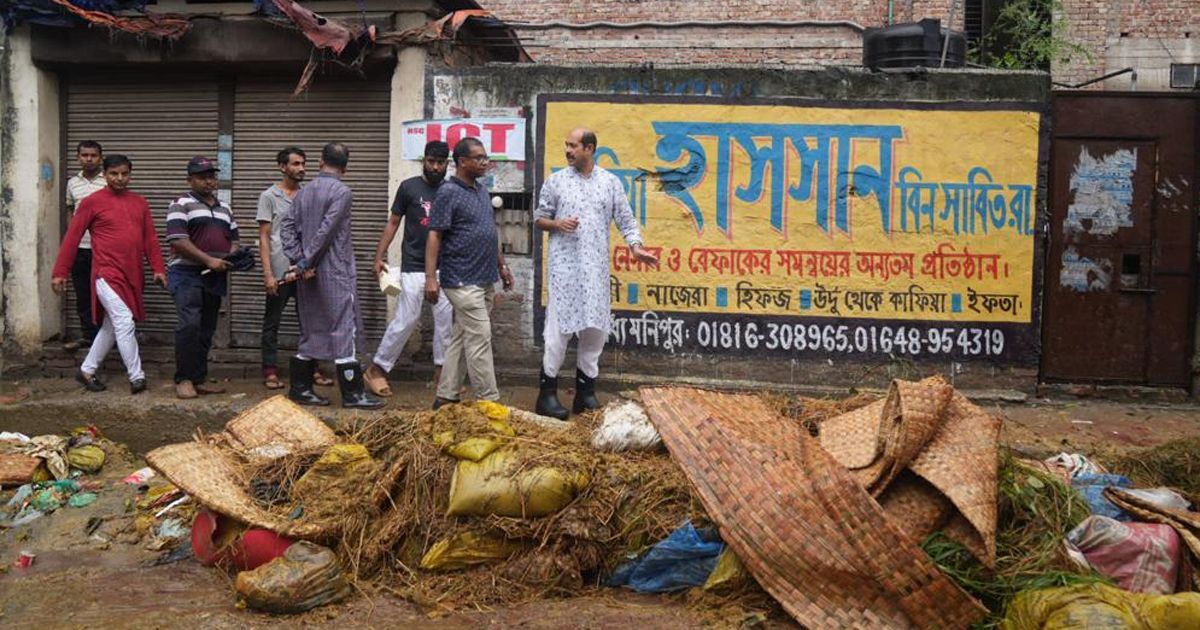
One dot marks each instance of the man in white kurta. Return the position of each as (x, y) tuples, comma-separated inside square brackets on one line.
[(576, 206)]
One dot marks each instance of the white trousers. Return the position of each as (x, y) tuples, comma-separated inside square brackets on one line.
[(404, 322), (587, 352), (117, 328)]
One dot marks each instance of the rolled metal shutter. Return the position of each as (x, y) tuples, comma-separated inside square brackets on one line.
[(159, 125), (266, 119)]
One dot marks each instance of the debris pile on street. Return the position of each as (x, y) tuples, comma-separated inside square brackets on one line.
[(903, 510)]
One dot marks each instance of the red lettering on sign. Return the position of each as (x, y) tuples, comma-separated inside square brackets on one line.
[(459, 131), (499, 136), (433, 131)]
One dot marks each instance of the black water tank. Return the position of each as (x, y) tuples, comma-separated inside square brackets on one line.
[(911, 45)]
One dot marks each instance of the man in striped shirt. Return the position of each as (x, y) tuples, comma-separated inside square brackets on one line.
[(202, 232), (89, 180)]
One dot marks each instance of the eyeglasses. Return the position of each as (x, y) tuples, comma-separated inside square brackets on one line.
[(479, 159)]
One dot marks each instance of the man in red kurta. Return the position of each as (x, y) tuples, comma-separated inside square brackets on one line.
[(122, 236)]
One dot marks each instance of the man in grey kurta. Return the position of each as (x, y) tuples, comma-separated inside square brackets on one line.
[(316, 239), (576, 206)]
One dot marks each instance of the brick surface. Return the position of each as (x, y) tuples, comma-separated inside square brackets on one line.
[(736, 43)]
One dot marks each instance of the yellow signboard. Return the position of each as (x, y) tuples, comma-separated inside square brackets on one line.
[(846, 225)]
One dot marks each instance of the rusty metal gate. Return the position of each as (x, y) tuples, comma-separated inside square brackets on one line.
[(1119, 290)]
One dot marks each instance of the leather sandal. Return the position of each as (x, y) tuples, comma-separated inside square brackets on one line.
[(377, 382)]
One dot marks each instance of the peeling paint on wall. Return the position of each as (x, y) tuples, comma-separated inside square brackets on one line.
[(1103, 190), (1082, 274)]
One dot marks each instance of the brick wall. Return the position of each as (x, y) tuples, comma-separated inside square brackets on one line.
[(1147, 35), (737, 43)]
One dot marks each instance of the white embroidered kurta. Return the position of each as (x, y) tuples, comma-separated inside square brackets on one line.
[(578, 261)]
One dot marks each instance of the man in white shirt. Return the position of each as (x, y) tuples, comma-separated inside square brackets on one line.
[(90, 178), (576, 206)]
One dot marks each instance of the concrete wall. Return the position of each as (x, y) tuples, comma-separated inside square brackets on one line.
[(500, 85), (29, 210)]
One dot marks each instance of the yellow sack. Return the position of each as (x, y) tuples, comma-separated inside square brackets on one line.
[(473, 449), (339, 464), (88, 458), (496, 485), (729, 572), (466, 549), (494, 411), (1101, 606)]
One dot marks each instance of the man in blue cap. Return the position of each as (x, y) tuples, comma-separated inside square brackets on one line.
[(202, 232)]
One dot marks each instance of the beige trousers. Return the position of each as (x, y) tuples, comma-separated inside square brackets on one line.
[(470, 343)]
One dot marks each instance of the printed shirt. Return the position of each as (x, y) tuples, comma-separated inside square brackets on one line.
[(78, 188), (211, 228), (414, 202), (578, 261), (273, 203), (470, 250)]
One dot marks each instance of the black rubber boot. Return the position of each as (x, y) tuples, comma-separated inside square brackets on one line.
[(547, 402), (301, 385), (354, 396), (585, 393)]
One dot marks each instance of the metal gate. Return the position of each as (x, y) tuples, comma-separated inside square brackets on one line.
[(265, 120), (1119, 285), (159, 125)]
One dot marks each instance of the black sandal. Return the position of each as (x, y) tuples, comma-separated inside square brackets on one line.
[(90, 383)]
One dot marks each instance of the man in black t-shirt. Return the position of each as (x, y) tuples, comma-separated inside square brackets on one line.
[(413, 201)]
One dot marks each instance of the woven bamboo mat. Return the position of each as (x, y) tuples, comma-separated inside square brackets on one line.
[(930, 429), (808, 531), (209, 470)]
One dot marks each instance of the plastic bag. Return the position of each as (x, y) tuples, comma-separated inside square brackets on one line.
[(494, 411), (1092, 485), (680, 561), (474, 449), (625, 427), (466, 549), (307, 576), (89, 458), (1092, 606), (729, 573), (1139, 557), (496, 485), (338, 465), (1161, 497)]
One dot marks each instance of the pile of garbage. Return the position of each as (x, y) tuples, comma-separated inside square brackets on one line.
[(899, 511), (49, 472)]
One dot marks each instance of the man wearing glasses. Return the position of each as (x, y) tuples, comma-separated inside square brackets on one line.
[(463, 253)]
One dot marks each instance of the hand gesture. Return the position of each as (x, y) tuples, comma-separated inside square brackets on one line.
[(643, 255), (431, 290), (568, 225), (59, 285)]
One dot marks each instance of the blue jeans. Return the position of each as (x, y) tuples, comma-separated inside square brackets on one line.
[(197, 305)]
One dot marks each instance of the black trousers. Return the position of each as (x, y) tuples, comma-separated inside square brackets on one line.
[(81, 279), (272, 315), (198, 308)]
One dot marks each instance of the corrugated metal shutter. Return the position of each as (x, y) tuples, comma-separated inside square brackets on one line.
[(159, 125), (355, 112)]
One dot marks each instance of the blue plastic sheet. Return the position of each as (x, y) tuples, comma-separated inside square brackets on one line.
[(680, 561), (1092, 485)]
